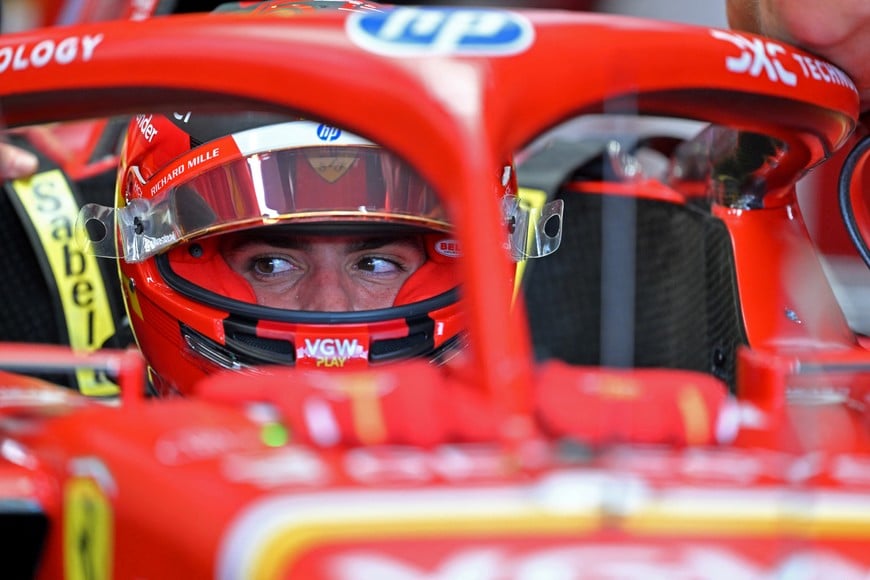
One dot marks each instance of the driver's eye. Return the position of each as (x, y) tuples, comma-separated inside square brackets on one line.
[(379, 265), (271, 265)]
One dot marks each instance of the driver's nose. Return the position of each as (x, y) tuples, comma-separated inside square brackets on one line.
[(325, 290)]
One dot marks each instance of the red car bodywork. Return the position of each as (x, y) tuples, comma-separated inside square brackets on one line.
[(501, 466)]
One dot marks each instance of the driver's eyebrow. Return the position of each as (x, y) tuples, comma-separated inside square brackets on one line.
[(304, 242), (379, 242), (285, 242)]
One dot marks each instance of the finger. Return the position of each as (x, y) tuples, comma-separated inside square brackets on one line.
[(16, 162), (743, 15)]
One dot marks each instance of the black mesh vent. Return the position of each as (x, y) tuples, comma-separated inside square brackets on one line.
[(684, 311), (242, 340), (725, 331), (420, 341)]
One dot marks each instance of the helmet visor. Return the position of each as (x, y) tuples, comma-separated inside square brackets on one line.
[(342, 183), (289, 173)]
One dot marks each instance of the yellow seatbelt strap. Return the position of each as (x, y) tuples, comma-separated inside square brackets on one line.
[(48, 202), (536, 199)]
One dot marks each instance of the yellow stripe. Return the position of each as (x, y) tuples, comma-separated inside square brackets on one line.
[(48, 200), (535, 198), (288, 544), (778, 523)]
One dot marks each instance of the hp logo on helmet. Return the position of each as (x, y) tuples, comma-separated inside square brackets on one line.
[(328, 133), (432, 30)]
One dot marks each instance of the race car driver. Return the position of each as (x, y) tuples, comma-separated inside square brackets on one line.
[(276, 241)]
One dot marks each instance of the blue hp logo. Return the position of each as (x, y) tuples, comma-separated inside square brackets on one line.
[(328, 133), (429, 30)]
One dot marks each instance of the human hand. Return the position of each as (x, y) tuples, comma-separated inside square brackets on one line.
[(16, 162), (837, 30)]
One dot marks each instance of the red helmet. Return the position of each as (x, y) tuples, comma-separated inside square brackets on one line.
[(195, 192), (186, 193), (194, 188)]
